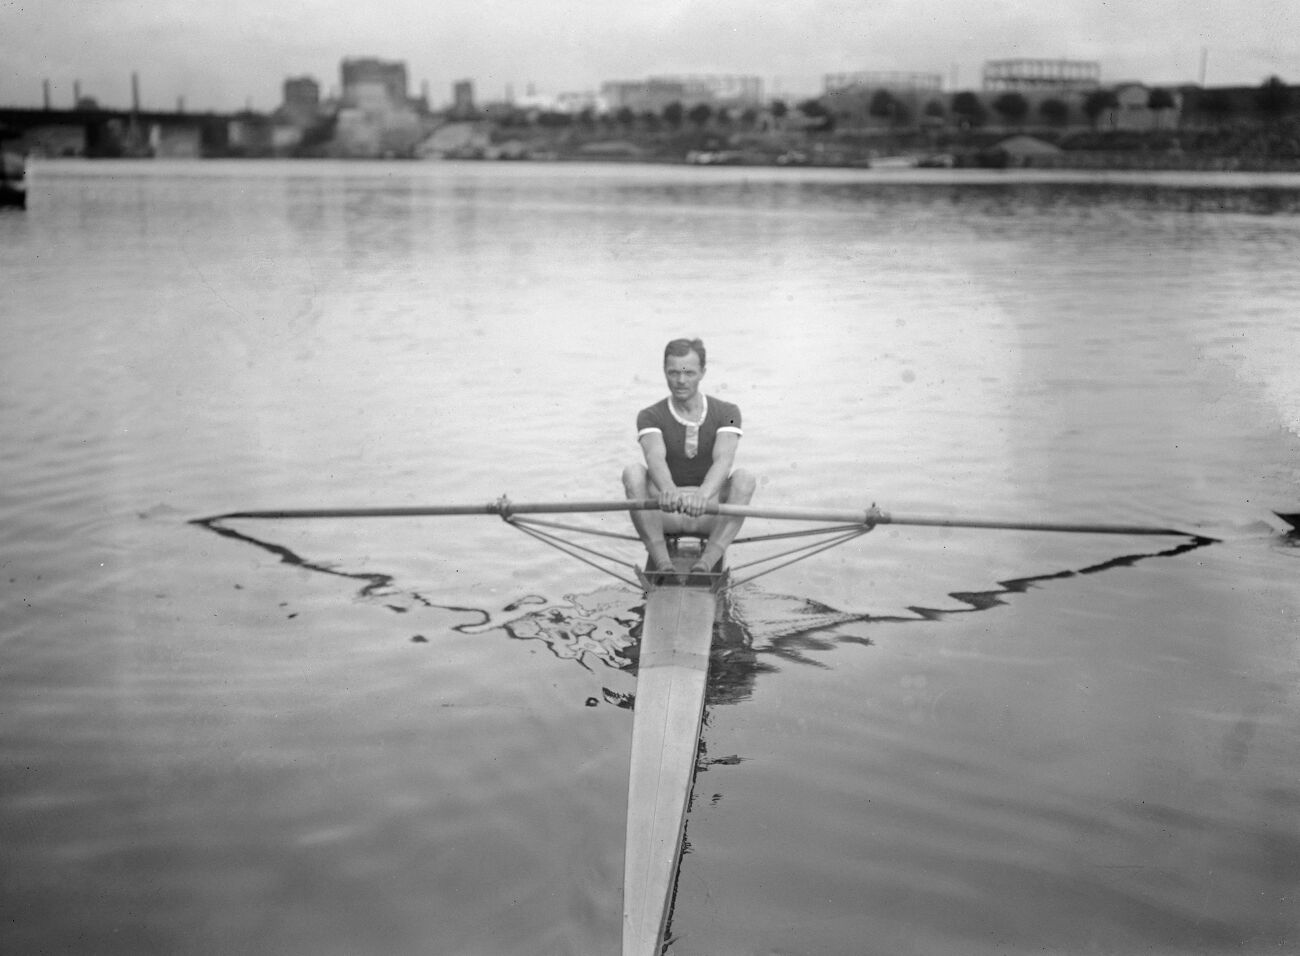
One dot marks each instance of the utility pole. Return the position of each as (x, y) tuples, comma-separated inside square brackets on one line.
[(1205, 56), (45, 93)]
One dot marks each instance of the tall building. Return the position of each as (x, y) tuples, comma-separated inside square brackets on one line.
[(376, 115), (301, 101), (301, 92), (462, 98), (365, 78)]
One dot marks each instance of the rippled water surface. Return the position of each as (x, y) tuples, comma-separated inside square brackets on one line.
[(394, 736)]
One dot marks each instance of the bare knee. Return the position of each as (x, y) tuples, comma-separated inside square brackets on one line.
[(741, 487), (636, 481)]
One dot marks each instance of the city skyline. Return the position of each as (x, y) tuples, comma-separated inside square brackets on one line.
[(228, 56)]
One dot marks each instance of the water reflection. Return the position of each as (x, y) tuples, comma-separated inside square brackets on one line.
[(757, 632), (983, 197)]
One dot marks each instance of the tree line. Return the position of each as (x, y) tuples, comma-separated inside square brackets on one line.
[(967, 109)]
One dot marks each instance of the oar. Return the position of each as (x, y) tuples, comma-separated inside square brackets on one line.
[(873, 516), (869, 516), (502, 506)]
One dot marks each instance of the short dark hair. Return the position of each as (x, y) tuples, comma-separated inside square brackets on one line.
[(679, 347)]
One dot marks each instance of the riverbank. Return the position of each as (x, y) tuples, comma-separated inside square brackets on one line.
[(1246, 148)]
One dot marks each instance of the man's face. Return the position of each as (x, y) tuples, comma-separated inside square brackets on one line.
[(683, 373)]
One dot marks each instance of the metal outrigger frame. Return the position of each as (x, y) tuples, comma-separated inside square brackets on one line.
[(544, 530)]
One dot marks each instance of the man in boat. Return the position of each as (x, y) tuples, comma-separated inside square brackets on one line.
[(689, 442)]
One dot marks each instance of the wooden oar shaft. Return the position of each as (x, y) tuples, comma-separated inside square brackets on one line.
[(866, 516), (876, 516), (499, 507), (1067, 527)]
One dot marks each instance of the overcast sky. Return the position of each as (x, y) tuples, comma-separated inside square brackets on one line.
[(225, 54)]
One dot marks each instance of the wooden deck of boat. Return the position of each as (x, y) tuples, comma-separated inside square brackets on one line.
[(672, 672)]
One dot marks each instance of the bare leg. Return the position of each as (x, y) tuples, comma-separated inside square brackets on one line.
[(649, 524), (739, 491)]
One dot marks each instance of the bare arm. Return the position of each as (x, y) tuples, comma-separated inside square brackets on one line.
[(656, 462), (724, 457)]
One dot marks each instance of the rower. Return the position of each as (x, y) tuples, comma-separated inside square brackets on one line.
[(689, 443)]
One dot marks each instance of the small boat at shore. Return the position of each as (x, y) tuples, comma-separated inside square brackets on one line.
[(13, 181)]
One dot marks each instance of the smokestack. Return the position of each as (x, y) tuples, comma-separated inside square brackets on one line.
[(135, 92), (180, 104), (76, 93), (45, 91)]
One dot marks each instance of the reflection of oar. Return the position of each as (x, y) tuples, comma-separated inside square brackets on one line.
[(869, 516)]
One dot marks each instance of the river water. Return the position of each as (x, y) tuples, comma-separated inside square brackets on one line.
[(399, 736)]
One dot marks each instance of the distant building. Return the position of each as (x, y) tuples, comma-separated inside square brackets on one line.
[(376, 116), (569, 103), (301, 104), (643, 95), (462, 98), (724, 88), (1133, 109), (301, 91), (1041, 74), (576, 102), (656, 92), (895, 82), (363, 75)]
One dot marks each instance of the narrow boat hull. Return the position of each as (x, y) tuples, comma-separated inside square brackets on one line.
[(672, 673)]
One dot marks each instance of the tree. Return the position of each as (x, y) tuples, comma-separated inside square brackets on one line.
[(1160, 100), (1012, 107), (779, 109), (700, 114), (1273, 98), (625, 117), (554, 119), (1098, 102), (934, 110), (673, 114), (814, 109), (884, 105), (1055, 111), (724, 116), (749, 118), (1216, 105), (966, 106)]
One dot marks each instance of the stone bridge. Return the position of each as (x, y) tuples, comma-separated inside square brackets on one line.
[(134, 133)]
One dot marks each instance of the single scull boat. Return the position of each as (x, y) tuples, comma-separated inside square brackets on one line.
[(673, 666), (672, 671)]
